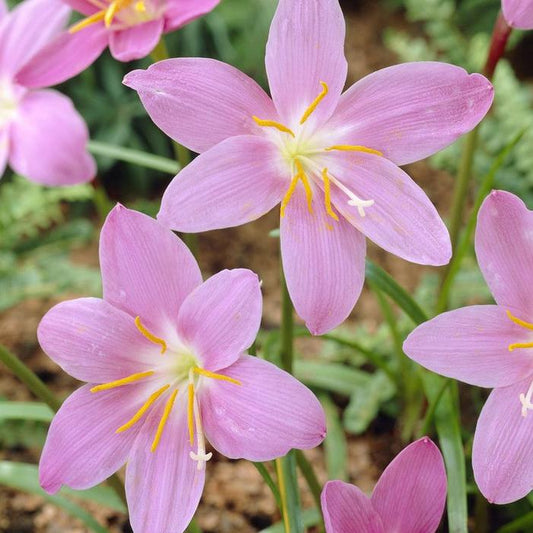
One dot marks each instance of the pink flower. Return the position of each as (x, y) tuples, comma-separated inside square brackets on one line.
[(131, 28), (491, 346), (330, 159), (518, 13), (164, 358), (409, 496), (41, 134)]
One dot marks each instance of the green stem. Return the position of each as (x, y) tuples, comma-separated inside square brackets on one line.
[(430, 414), (460, 193), (37, 386), (136, 157), (101, 200), (287, 328), (310, 477), (193, 527), (290, 496), (265, 474), (160, 52)]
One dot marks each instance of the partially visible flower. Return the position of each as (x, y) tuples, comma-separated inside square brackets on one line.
[(164, 358), (409, 496), (492, 346), (131, 28), (518, 13), (330, 159), (41, 134)]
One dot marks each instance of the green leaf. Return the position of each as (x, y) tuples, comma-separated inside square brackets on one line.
[(385, 283), (25, 411), (330, 376), (310, 518), (290, 492), (366, 401), (335, 446), (25, 477)]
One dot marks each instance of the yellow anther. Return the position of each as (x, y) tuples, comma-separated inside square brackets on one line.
[(307, 187), (97, 17), (111, 12), (190, 413), (272, 124), (518, 321), (209, 374), (354, 148), (315, 102), (123, 381), (138, 415), (327, 195), (140, 7), (520, 345), (163, 421), (150, 336)]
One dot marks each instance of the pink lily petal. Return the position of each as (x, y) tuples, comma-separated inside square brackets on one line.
[(49, 141), (82, 448), (235, 182), (411, 111), (323, 261), (213, 100), (501, 455), (64, 57), (472, 344), (306, 46), (93, 341), (518, 13), (83, 6), (179, 13), (23, 34), (138, 258), (221, 317), (504, 250), (411, 493), (3, 8), (347, 509), (265, 416), (135, 42), (163, 488), (4, 150), (402, 219)]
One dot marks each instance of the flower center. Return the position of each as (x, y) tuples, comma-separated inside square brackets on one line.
[(183, 373), (120, 14), (301, 148), (8, 103), (525, 399)]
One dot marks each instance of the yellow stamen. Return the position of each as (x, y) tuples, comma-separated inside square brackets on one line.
[(354, 148), (520, 345), (163, 421), (123, 381), (315, 102), (288, 194), (190, 413), (209, 374), (327, 195), (140, 7), (150, 336), (272, 124), (137, 416), (111, 12), (97, 17), (518, 321), (307, 187)]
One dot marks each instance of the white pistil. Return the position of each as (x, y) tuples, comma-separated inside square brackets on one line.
[(525, 400), (200, 454)]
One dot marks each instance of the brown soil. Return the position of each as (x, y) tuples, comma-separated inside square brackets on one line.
[(235, 498)]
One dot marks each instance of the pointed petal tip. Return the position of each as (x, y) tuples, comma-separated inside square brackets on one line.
[(133, 79)]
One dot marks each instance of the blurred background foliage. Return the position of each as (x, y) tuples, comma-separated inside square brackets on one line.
[(41, 227)]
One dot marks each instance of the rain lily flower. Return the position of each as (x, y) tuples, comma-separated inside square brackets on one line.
[(518, 13), (42, 136), (409, 496), (131, 28), (163, 355), (330, 159), (491, 346)]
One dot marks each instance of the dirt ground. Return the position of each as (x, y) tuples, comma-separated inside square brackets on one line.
[(235, 498)]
